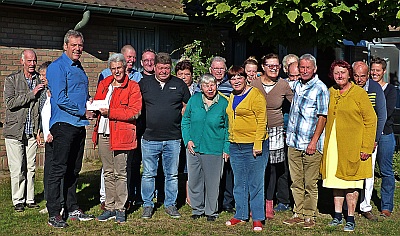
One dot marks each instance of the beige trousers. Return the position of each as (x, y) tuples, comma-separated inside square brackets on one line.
[(21, 155), (114, 166), (304, 172)]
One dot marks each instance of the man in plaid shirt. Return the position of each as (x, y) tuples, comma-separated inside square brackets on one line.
[(305, 138)]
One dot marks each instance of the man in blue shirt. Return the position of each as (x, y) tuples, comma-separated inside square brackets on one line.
[(305, 139), (129, 53), (69, 87), (377, 98)]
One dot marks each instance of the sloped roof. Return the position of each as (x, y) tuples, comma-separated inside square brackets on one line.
[(173, 7)]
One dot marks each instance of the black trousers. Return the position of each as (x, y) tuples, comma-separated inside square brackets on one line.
[(226, 187), (68, 144), (283, 184), (48, 160)]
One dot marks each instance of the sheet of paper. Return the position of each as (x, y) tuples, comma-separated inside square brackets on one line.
[(96, 105)]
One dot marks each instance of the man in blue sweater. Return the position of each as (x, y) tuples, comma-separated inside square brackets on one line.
[(377, 98)]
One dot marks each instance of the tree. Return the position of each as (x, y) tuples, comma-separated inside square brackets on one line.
[(306, 22)]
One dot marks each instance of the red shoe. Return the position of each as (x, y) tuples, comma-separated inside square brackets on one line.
[(269, 209), (233, 222), (257, 226)]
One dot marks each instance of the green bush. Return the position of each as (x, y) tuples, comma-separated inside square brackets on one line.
[(195, 54)]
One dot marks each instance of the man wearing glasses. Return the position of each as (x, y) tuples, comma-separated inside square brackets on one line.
[(218, 70)]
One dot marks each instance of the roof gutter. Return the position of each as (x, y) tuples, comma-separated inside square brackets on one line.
[(98, 9)]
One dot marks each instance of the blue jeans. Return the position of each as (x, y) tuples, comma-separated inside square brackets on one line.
[(169, 152), (384, 157), (249, 174)]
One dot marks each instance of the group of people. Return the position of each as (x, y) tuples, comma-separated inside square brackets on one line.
[(239, 144)]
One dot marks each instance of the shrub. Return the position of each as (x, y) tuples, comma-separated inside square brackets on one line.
[(396, 164)]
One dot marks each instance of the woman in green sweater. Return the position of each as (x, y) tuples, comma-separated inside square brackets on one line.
[(205, 135)]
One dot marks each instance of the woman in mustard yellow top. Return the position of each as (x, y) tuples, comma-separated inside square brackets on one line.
[(248, 148), (349, 142)]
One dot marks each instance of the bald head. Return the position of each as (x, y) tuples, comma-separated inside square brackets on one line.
[(129, 53), (360, 73), (28, 61)]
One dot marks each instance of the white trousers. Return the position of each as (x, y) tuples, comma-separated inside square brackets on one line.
[(366, 193), (21, 155)]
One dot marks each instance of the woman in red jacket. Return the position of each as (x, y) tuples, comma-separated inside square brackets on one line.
[(115, 134)]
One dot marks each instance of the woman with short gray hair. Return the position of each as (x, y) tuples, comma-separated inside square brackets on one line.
[(205, 135)]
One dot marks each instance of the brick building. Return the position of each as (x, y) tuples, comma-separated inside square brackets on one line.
[(41, 25)]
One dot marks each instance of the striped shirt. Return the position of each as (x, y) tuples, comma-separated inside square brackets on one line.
[(28, 124), (310, 100)]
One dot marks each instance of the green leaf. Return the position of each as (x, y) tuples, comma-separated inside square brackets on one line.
[(307, 17), (247, 15), (341, 7), (245, 4), (314, 23), (296, 2), (241, 23), (398, 15), (292, 16), (260, 13), (222, 7)]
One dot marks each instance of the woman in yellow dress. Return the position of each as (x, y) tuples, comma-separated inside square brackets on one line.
[(349, 142)]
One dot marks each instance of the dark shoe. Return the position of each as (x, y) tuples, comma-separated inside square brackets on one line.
[(349, 227), (147, 212), (195, 217), (308, 223), (173, 212), (335, 222), (57, 222), (106, 215), (369, 216), (79, 215), (33, 205), (294, 220), (19, 207), (386, 213), (120, 217), (211, 218), (282, 207), (229, 210)]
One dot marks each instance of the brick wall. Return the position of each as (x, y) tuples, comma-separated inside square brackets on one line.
[(43, 31)]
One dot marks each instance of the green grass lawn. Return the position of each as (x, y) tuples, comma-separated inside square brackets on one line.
[(31, 222)]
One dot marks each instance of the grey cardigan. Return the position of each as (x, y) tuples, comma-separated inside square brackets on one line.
[(18, 99)]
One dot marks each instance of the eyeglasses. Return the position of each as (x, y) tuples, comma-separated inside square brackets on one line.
[(148, 61), (218, 69), (271, 66)]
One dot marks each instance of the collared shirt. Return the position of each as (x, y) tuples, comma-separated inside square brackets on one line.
[(69, 88), (28, 124), (206, 106), (133, 75), (310, 100)]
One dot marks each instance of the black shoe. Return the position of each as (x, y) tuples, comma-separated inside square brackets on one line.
[(211, 218), (57, 222), (19, 207), (195, 217), (33, 205), (229, 210)]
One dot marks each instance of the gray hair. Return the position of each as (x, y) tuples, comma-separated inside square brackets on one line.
[(309, 57), (218, 59), (286, 58), (72, 33), (117, 57), (207, 78), (27, 50)]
